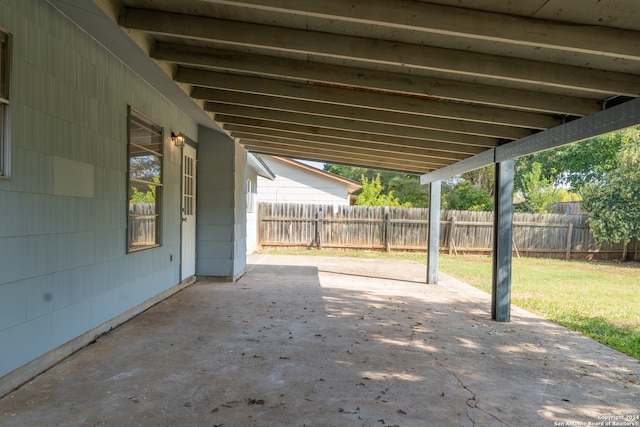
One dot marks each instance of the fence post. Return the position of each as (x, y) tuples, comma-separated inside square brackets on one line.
[(319, 229), (452, 230), (387, 231), (569, 234), (260, 225), (625, 249)]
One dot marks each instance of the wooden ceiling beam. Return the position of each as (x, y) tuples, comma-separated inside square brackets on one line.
[(217, 99), (333, 156), (455, 142), (360, 98), (241, 123), (440, 157), (363, 78), (336, 160), (452, 62), (454, 21)]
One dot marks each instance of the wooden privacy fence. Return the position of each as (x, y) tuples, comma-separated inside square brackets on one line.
[(142, 227), (405, 229)]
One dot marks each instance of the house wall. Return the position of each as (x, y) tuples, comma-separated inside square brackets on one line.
[(296, 185), (240, 211), (252, 214), (221, 214), (64, 269)]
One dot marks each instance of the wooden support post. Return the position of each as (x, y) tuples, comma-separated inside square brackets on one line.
[(452, 230), (502, 241), (319, 229), (387, 230), (567, 256), (433, 234), (625, 249), (260, 219)]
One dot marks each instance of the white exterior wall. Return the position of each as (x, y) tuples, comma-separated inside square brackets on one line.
[(297, 185), (252, 212)]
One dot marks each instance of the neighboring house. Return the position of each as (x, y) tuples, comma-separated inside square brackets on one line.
[(258, 171), (296, 182)]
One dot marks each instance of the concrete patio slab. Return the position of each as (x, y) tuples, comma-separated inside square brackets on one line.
[(317, 341)]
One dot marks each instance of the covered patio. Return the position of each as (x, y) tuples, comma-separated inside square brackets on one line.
[(321, 341)]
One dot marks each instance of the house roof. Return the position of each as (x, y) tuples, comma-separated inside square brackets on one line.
[(261, 168), (409, 85), (352, 185)]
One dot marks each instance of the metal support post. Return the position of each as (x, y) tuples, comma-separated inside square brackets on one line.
[(502, 241), (433, 234)]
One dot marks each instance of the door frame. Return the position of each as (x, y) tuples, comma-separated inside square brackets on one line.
[(188, 145)]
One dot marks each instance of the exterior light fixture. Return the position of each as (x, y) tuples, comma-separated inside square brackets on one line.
[(178, 139)]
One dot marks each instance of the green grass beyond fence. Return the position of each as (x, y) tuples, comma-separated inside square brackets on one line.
[(598, 299)]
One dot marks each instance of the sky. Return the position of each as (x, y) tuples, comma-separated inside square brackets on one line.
[(318, 165)]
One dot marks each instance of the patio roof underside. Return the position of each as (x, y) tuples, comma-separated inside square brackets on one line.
[(404, 84)]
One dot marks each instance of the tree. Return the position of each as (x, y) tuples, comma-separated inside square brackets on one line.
[(465, 196), (579, 164), (355, 173), (405, 187), (409, 190), (372, 194), (482, 179), (538, 192), (613, 201)]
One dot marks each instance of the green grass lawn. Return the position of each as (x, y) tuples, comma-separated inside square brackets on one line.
[(599, 299)]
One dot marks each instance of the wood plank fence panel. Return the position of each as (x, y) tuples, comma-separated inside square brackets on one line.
[(405, 229)]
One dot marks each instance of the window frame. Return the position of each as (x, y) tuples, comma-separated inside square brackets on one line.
[(251, 196), (155, 129), (5, 89)]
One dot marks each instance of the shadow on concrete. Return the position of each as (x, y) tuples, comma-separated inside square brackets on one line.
[(313, 341)]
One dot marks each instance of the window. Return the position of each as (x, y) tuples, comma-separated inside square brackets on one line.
[(144, 183), (5, 53), (251, 201)]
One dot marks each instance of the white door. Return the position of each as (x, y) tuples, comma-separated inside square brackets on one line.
[(188, 212)]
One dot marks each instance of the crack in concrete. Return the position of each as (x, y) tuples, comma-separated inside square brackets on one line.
[(473, 423), (472, 402)]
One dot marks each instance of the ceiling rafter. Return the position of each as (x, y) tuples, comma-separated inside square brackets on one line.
[(223, 98), (413, 85), (348, 136), (499, 68), (450, 141), (331, 142), (402, 83), (339, 156), (260, 149), (432, 18), (359, 98)]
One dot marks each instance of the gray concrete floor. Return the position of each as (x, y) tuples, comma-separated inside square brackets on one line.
[(314, 341)]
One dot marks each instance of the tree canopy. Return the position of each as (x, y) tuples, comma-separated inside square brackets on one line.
[(576, 165), (613, 200), (372, 194), (603, 171), (537, 191)]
